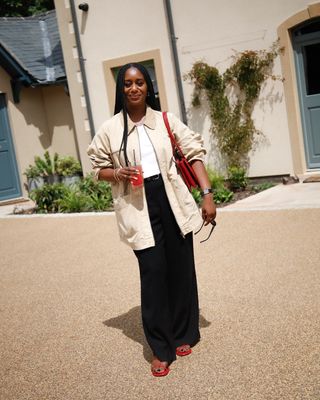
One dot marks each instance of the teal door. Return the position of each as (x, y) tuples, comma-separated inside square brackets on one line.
[(306, 43), (9, 178)]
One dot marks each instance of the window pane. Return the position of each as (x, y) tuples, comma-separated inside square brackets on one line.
[(308, 28), (149, 65), (312, 68)]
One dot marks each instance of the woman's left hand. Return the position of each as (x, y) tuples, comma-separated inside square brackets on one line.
[(209, 211), (208, 207)]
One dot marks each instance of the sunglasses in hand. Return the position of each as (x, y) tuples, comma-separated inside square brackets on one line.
[(213, 223)]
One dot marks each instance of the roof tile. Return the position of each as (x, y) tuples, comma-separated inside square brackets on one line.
[(34, 42)]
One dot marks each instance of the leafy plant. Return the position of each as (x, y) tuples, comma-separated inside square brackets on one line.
[(99, 192), (100, 203), (45, 165), (67, 166), (32, 172), (91, 187), (231, 97), (216, 180), (222, 195), (237, 178), (196, 193), (262, 186), (48, 196), (74, 201), (87, 195)]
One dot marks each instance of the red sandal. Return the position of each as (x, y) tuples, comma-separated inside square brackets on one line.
[(183, 350), (162, 370)]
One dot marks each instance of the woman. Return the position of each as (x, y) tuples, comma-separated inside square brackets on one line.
[(157, 218)]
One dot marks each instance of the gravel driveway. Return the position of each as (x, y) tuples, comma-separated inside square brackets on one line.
[(70, 315)]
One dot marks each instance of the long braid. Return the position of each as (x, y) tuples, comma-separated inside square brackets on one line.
[(125, 135), (120, 105)]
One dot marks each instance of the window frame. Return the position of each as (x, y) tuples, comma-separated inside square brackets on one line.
[(109, 65)]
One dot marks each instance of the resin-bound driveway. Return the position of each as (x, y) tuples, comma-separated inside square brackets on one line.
[(70, 315)]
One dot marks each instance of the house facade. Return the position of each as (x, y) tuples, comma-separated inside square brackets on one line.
[(169, 36), (97, 37), (35, 108)]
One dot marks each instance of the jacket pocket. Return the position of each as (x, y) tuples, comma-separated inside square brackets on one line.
[(128, 213)]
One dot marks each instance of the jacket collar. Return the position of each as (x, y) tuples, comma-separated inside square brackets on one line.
[(150, 120)]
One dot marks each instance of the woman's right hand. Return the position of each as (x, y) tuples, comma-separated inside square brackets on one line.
[(127, 173)]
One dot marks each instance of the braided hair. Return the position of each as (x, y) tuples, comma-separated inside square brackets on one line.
[(120, 103)]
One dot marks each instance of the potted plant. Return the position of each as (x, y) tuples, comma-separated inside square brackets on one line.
[(47, 167), (34, 178), (69, 170)]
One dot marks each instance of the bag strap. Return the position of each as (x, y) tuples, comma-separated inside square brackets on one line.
[(172, 138)]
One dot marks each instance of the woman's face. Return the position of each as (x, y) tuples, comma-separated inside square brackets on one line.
[(135, 88)]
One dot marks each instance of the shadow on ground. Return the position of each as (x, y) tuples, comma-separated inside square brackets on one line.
[(131, 326)]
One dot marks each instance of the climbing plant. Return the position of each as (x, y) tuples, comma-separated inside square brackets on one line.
[(231, 97)]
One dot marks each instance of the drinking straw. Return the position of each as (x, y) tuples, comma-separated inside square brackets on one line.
[(134, 158)]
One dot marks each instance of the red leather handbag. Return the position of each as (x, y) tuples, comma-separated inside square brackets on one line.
[(183, 166)]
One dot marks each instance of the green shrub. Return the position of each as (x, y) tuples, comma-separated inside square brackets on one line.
[(47, 197), (87, 195), (32, 172), (45, 165), (262, 186), (216, 180), (67, 166), (237, 178), (74, 201), (100, 203), (196, 193), (222, 195), (99, 191)]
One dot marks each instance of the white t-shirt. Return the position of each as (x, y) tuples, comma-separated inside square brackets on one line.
[(149, 160)]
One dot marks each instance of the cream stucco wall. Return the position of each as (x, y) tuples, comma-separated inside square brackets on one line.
[(41, 121), (75, 84), (118, 29), (215, 31), (212, 31), (59, 118), (205, 30)]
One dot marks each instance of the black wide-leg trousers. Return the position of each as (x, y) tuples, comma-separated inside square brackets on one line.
[(169, 296)]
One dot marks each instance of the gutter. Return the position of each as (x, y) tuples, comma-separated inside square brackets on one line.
[(19, 77), (176, 60), (13, 68), (82, 67)]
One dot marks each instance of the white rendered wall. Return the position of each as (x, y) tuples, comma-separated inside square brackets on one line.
[(41, 121), (206, 30), (211, 31), (113, 29)]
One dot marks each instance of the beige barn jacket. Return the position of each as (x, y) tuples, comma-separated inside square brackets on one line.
[(130, 205)]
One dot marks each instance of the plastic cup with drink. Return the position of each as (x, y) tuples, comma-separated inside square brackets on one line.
[(137, 181)]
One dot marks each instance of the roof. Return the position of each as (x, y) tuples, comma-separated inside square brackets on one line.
[(33, 45)]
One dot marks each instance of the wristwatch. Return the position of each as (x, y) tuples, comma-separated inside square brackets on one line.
[(206, 191)]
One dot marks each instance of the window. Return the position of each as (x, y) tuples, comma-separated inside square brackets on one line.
[(309, 27), (149, 65), (151, 60)]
